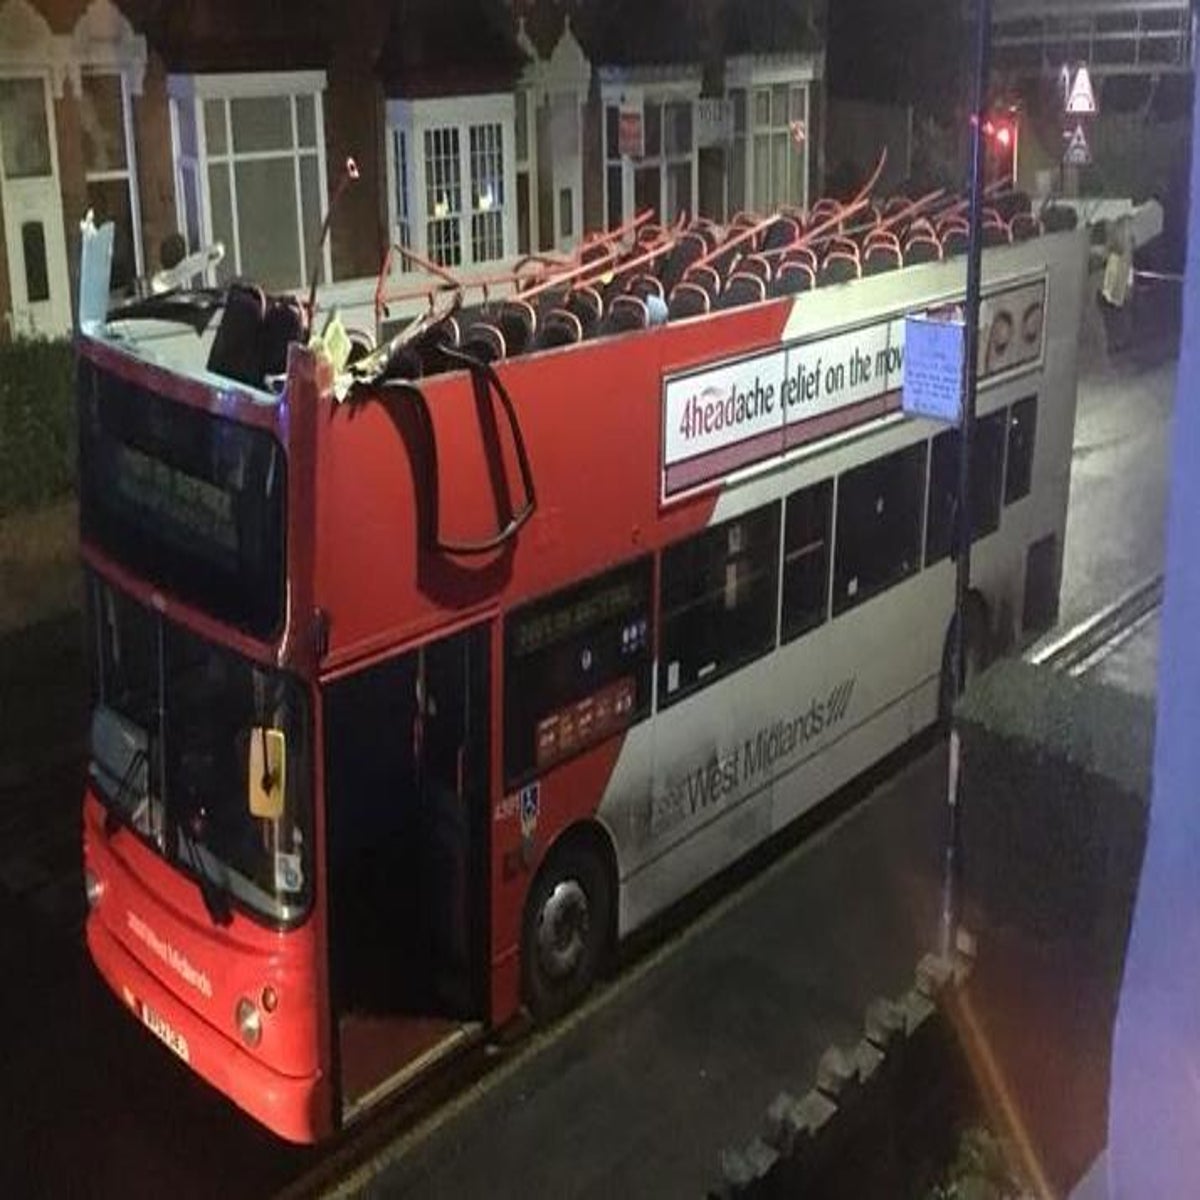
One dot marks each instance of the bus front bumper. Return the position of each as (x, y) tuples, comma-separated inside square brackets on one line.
[(294, 1108)]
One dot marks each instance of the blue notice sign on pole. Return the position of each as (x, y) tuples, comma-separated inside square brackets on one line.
[(933, 369)]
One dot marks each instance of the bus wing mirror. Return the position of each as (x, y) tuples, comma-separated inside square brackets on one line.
[(266, 776)]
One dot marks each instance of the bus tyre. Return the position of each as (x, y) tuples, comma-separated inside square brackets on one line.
[(566, 930), (975, 654)]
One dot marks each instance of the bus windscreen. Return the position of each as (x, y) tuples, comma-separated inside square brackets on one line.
[(191, 501)]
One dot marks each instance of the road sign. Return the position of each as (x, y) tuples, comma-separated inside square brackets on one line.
[(1081, 100), (1077, 153), (933, 369)]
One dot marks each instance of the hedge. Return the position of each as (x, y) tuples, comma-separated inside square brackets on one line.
[(37, 423)]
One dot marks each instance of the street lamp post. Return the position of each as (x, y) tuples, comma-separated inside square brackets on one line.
[(953, 863)]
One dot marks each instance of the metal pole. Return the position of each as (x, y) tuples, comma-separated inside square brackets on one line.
[(953, 860)]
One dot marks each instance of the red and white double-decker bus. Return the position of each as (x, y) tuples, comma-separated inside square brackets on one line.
[(421, 683)]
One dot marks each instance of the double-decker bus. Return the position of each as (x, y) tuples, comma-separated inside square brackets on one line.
[(422, 679)]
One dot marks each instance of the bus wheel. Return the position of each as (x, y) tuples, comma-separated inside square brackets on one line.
[(975, 653), (566, 929)]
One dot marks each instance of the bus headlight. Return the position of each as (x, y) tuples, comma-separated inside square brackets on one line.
[(249, 1021), (93, 888)]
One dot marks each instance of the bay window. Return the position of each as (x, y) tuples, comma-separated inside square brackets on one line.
[(450, 167), (768, 155), (663, 176), (249, 156)]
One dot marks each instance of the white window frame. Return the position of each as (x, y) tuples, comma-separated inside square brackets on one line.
[(661, 91), (418, 117), (128, 173), (524, 99), (195, 91), (751, 76)]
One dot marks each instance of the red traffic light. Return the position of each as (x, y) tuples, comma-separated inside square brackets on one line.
[(1004, 135)]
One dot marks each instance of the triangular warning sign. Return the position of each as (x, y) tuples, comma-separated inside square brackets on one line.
[(1077, 154), (1081, 100)]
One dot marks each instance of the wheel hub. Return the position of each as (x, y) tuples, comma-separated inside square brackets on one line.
[(563, 929)]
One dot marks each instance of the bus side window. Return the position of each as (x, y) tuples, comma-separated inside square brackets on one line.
[(719, 597), (806, 558), (987, 471), (576, 668), (1022, 428), (879, 518)]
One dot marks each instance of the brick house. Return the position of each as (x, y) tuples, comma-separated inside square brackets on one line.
[(483, 130)]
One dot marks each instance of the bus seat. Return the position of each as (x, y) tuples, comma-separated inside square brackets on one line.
[(995, 235), (922, 248), (782, 232), (742, 288), (645, 285), (881, 257), (706, 277), (838, 267), (236, 350), (793, 277), (559, 328), (954, 242), (688, 300), (627, 312), (689, 248), (1024, 226), (755, 264), (485, 341), (283, 324), (802, 254), (586, 304), (518, 322)]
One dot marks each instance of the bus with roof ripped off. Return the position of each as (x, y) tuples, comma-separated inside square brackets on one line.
[(425, 671)]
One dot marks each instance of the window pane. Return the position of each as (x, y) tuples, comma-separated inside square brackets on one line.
[(762, 107), (796, 190), (566, 209), (487, 167), (1022, 427), (261, 123), (487, 236), (443, 186), (33, 251), (779, 105), (23, 128), (653, 130), (678, 130), (577, 668), (521, 125), (647, 189), (185, 112), (878, 526), (109, 200), (679, 189), (612, 125), (191, 208), (987, 466), (737, 176), (102, 117), (444, 238), (268, 224), (738, 96), (761, 199), (214, 127), (312, 208), (719, 592), (799, 109), (306, 121), (221, 206), (779, 169), (616, 199), (523, 212), (806, 559)]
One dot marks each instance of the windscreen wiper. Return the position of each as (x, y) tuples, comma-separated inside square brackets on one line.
[(213, 891)]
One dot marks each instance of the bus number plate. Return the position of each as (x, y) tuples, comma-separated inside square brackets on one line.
[(165, 1034)]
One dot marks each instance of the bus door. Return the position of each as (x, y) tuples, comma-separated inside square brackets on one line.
[(407, 770)]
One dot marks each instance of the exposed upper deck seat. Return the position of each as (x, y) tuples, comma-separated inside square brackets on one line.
[(881, 257), (838, 267), (793, 277), (688, 300), (922, 248), (625, 313), (742, 288)]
